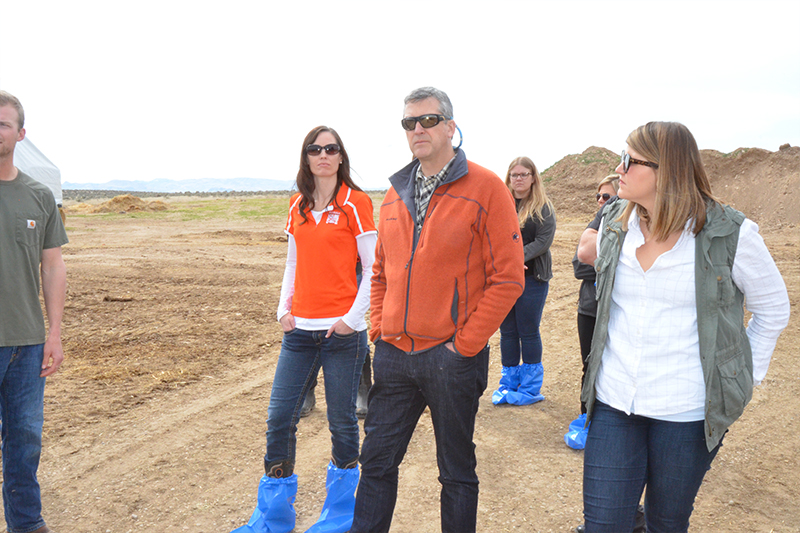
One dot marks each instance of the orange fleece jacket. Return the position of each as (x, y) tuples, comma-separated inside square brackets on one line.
[(463, 275)]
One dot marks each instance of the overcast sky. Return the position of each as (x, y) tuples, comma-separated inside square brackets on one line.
[(194, 89)]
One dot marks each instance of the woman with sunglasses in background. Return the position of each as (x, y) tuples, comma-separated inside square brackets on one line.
[(587, 308), (520, 384), (321, 310), (672, 365)]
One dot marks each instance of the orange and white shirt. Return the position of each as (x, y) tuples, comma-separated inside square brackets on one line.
[(319, 283)]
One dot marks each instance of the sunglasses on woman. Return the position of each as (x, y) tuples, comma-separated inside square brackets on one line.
[(427, 121), (605, 196), (315, 149), (627, 160)]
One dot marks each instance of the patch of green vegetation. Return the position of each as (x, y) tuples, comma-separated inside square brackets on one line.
[(251, 208), (736, 152), (605, 159), (205, 209)]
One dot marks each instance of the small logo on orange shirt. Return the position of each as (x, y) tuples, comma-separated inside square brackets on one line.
[(333, 217), (31, 224)]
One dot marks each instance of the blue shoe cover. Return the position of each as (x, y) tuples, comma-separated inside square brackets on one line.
[(337, 511), (275, 510), (578, 430), (509, 381), (530, 385)]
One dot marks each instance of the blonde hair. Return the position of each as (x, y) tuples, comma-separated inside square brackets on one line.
[(611, 179), (682, 187), (533, 203)]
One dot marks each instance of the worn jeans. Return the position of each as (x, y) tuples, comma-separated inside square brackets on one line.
[(519, 332), (302, 355), (404, 385), (22, 417), (625, 453)]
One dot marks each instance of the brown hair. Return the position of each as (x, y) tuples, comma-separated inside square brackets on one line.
[(682, 187), (305, 179), (13, 101), (534, 202)]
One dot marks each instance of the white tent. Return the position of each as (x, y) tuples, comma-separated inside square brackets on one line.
[(35, 164)]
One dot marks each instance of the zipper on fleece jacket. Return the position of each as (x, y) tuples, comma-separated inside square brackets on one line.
[(409, 265)]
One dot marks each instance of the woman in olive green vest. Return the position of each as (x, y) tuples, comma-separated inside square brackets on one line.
[(672, 365)]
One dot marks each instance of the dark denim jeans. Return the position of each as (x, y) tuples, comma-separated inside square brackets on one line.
[(519, 332), (625, 453), (302, 355), (22, 415), (451, 385)]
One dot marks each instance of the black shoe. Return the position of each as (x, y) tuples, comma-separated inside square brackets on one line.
[(640, 525), (364, 383), (361, 400), (310, 402)]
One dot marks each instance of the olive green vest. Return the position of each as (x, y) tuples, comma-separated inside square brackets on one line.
[(724, 348)]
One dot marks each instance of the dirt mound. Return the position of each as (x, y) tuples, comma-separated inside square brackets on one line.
[(126, 203), (572, 182), (79, 208), (760, 183)]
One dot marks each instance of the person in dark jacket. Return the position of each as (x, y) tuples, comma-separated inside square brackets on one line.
[(587, 306), (521, 384)]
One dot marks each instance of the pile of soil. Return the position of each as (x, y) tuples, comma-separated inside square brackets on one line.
[(125, 203)]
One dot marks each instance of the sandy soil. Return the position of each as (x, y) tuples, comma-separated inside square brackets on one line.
[(156, 422)]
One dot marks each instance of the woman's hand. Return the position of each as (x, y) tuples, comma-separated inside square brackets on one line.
[(340, 328), (287, 322)]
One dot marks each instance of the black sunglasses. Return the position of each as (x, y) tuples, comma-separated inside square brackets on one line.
[(627, 160), (315, 149), (605, 196), (427, 121)]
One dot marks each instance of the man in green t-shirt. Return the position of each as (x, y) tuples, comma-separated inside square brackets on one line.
[(31, 236)]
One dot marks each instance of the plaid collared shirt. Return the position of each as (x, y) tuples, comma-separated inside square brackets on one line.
[(423, 190)]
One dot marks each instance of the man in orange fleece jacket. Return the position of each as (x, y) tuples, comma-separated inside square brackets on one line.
[(448, 268)]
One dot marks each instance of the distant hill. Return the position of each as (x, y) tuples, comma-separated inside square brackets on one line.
[(764, 185), (194, 185)]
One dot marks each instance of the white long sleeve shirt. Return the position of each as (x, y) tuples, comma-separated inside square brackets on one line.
[(651, 363)]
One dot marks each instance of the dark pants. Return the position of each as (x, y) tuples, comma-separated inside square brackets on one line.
[(22, 413), (519, 332), (626, 452), (404, 385), (585, 332), (302, 355)]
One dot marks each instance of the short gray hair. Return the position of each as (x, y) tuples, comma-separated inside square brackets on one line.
[(10, 99), (445, 106)]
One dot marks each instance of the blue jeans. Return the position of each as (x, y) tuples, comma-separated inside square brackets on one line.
[(22, 413), (302, 355), (625, 453), (519, 332), (450, 384)]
